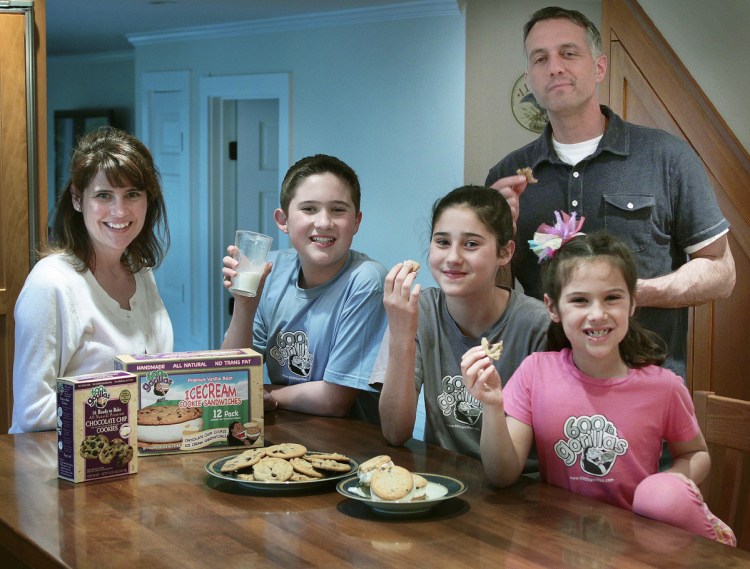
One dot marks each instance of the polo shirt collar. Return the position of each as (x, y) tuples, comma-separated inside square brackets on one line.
[(616, 139)]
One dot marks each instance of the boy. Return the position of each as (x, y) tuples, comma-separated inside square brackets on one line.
[(318, 318)]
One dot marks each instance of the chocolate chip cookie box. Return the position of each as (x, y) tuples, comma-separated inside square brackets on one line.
[(197, 401), (96, 426)]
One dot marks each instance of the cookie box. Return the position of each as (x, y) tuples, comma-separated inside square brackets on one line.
[(197, 401), (96, 426)]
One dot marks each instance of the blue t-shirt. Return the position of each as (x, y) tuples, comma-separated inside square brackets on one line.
[(332, 331)]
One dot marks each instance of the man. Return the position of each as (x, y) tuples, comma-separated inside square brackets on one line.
[(643, 185)]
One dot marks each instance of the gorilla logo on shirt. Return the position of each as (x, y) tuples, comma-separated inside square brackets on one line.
[(455, 399), (291, 349), (597, 461), (593, 441)]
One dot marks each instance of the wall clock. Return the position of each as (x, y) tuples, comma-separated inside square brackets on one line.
[(525, 109)]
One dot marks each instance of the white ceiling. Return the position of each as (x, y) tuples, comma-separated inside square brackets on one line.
[(93, 26)]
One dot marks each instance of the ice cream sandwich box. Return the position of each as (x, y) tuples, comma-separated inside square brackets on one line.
[(96, 426), (197, 401)]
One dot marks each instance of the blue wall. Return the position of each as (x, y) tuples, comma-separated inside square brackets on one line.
[(387, 97), (91, 82)]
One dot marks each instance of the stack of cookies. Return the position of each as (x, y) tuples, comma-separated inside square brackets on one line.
[(285, 462), (107, 451), (390, 483)]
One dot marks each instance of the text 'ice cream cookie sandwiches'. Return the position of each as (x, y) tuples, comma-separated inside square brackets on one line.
[(197, 401)]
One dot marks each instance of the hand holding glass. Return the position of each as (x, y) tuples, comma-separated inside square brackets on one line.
[(251, 253)]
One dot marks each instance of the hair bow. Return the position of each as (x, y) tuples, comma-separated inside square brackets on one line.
[(548, 239)]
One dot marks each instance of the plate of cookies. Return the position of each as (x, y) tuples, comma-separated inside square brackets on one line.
[(285, 466), (390, 489)]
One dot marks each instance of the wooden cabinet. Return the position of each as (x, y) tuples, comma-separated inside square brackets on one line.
[(23, 166), (649, 85)]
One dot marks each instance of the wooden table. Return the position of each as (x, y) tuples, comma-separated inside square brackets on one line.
[(172, 514)]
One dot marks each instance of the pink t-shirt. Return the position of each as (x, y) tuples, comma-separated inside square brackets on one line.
[(599, 437)]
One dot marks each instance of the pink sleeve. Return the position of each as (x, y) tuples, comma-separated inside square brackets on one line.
[(681, 423), (517, 392)]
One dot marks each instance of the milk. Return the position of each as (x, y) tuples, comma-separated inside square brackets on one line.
[(246, 283)]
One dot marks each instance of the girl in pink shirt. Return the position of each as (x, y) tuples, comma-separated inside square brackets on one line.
[(599, 407)]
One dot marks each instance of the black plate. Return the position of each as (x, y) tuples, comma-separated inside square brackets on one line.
[(214, 469)]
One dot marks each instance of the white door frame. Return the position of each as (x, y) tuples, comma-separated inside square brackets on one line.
[(194, 334), (213, 91)]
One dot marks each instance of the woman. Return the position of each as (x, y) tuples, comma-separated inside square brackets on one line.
[(92, 296)]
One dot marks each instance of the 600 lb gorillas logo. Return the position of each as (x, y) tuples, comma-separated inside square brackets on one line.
[(455, 399), (292, 350), (592, 439)]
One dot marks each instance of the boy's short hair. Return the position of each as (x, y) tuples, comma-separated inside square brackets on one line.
[(593, 37), (318, 164)]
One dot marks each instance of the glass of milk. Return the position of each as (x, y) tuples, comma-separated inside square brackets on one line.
[(252, 253)]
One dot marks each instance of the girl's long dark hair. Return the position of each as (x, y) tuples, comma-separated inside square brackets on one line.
[(640, 347), (489, 206)]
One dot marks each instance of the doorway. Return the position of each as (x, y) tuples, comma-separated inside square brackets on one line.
[(165, 129), (252, 168), (243, 156), (22, 189)]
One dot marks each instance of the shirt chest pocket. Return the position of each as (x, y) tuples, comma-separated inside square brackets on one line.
[(629, 217)]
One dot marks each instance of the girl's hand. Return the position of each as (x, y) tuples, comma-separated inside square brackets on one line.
[(481, 377), (687, 481), (401, 301), (511, 188)]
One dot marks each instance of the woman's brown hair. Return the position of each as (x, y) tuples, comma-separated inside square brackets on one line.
[(125, 161)]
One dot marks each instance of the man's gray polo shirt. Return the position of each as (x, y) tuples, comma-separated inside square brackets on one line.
[(641, 184)]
